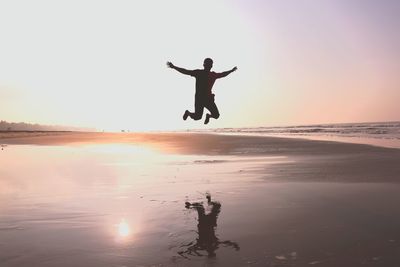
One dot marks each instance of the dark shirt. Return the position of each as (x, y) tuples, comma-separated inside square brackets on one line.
[(204, 82)]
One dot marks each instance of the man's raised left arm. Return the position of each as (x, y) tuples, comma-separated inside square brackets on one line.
[(226, 73)]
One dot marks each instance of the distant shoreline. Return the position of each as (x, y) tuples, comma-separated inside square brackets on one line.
[(10, 135), (54, 137), (33, 131)]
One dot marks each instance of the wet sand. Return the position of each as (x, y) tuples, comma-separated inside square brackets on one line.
[(105, 199)]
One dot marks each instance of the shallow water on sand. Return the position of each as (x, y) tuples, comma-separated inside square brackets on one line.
[(124, 205)]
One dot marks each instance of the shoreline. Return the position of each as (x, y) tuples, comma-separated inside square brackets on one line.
[(320, 161), (376, 142), (72, 137)]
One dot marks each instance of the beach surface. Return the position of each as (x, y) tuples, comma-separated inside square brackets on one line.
[(139, 199)]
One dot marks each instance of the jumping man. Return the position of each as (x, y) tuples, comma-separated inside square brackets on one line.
[(204, 97)]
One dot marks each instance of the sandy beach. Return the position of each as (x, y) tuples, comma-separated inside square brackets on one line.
[(139, 199)]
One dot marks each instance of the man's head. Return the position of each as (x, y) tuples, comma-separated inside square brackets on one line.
[(208, 63)]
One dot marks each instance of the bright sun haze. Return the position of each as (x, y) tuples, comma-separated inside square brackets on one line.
[(103, 63)]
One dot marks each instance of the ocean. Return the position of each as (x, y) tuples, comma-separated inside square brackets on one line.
[(386, 134)]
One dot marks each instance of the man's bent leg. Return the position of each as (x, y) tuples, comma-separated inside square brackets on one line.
[(214, 113), (198, 110)]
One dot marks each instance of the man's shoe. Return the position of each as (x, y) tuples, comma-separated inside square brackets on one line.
[(185, 115), (207, 118)]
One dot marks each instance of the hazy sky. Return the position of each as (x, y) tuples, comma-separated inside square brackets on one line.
[(102, 63)]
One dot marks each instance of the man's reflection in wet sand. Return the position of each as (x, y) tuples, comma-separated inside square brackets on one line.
[(207, 240)]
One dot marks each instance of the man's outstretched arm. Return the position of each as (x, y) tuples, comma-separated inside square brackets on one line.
[(181, 70), (226, 73)]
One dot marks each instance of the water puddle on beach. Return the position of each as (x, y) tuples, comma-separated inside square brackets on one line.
[(125, 205), (98, 205)]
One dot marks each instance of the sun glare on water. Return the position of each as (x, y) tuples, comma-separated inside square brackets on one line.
[(124, 229)]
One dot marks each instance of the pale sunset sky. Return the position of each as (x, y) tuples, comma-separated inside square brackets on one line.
[(102, 64)]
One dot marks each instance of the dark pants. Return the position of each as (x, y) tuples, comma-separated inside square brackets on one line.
[(204, 102)]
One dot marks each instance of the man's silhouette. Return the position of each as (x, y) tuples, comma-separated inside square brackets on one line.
[(207, 240), (204, 97)]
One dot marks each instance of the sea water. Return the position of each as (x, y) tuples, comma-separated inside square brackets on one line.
[(386, 134)]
